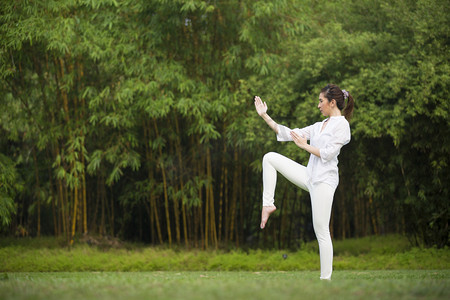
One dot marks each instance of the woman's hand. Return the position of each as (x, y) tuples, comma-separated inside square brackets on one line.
[(303, 144), (299, 140), (261, 107)]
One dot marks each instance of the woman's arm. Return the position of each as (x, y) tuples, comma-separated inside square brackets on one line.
[(341, 137), (261, 109)]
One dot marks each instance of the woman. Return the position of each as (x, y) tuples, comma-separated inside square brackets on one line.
[(321, 176)]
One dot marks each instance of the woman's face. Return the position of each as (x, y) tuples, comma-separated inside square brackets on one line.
[(324, 105)]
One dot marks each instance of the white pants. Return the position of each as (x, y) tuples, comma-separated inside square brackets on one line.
[(321, 201)]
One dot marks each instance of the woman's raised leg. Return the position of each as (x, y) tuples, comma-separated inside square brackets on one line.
[(293, 171)]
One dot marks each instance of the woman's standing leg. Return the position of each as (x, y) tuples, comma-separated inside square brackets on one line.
[(293, 171), (321, 203)]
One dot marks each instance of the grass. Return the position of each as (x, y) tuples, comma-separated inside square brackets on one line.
[(399, 284), (386, 267), (371, 253)]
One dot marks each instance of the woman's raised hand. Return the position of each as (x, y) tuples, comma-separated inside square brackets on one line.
[(261, 107)]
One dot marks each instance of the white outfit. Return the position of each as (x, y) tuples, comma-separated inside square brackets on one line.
[(320, 178)]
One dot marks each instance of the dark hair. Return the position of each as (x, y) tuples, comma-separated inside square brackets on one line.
[(332, 91)]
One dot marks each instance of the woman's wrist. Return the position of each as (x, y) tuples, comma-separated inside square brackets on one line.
[(272, 124)]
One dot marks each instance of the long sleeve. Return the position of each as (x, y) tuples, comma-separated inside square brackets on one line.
[(284, 133), (340, 138)]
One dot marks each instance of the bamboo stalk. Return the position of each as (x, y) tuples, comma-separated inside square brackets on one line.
[(373, 214), (211, 197), (54, 204), (207, 219), (111, 219), (166, 197), (80, 87), (107, 211), (226, 204), (234, 195), (158, 226), (154, 212), (62, 220), (75, 205), (221, 191), (243, 182), (38, 188), (93, 220), (102, 220), (83, 176), (200, 194), (176, 212), (80, 212), (180, 166), (67, 212)]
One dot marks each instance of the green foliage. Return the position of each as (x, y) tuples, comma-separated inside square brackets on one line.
[(10, 186)]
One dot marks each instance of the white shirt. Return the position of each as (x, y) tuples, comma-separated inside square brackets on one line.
[(329, 141)]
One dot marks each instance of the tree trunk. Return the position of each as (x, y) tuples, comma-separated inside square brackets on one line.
[(38, 193), (75, 205), (226, 204), (153, 208), (373, 216), (83, 186), (221, 190), (54, 203), (166, 197), (93, 224), (155, 211), (211, 198), (176, 209), (234, 195), (67, 212), (102, 230), (181, 174), (111, 219), (207, 219), (62, 221)]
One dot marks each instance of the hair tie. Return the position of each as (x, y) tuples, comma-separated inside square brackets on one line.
[(345, 94)]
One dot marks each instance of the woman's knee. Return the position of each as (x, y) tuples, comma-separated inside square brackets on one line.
[(268, 157), (321, 229)]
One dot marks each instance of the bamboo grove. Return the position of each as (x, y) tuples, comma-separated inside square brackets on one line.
[(135, 118)]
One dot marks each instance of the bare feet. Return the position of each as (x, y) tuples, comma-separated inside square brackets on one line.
[(266, 211)]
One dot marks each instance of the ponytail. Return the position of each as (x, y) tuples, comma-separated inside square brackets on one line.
[(348, 110)]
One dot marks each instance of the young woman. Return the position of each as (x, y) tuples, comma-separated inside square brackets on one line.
[(321, 176)]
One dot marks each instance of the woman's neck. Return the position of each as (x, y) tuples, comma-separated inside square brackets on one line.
[(335, 113)]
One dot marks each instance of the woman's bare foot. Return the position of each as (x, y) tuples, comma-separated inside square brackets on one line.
[(266, 211)]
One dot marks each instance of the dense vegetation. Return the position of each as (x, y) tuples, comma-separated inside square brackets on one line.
[(135, 119)]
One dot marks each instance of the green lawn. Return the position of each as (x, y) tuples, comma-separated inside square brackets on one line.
[(369, 253), (382, 267), (394, 284)]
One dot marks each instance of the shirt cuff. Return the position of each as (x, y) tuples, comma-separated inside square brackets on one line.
[(284, 134), (323, 155)]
